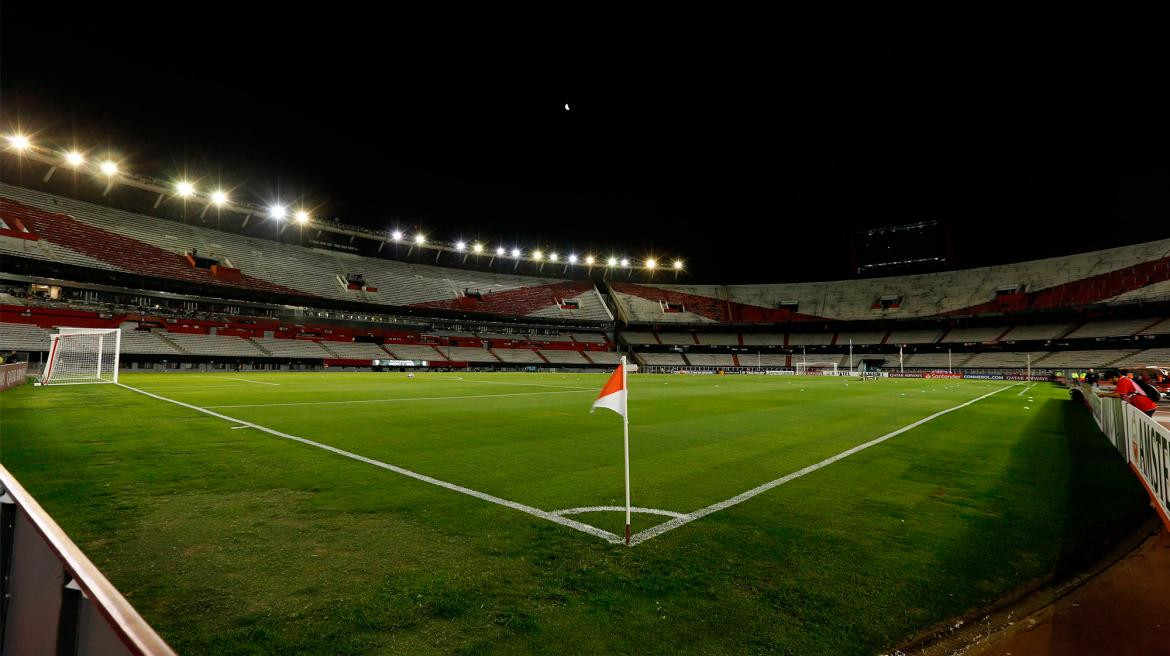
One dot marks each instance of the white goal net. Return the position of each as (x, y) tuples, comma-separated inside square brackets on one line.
[(815, 368), (83, 355)]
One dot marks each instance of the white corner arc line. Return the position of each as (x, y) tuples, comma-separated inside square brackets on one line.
[(398, 400), (760, 489), (535, 512), (586, 509), (245, 380)]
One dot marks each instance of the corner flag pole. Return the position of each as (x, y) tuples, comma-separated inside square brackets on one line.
[(626, 442)]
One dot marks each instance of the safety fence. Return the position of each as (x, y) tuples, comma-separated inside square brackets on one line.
[(53, 599), (1142, 442)]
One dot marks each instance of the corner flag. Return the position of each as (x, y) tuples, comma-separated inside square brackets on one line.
[(613, 396)]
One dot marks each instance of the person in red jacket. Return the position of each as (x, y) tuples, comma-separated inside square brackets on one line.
[(1128, 391)]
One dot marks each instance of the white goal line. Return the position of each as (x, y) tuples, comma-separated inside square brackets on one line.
[(558, 516)]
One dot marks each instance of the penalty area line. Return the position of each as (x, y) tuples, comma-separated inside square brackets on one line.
[(535, 512), (740, 498)]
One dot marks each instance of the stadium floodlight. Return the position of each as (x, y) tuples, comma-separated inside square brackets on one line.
[(420, 239), (74, 158), (589, 260), (219, 197), (277, 212), (515, 252), (500, 251), (552, 257), (537, 255), (625, 261), (612, 261), (302, 216), (460, 246), (184, 188), (396, 235), (572, 258), (651, 263), (18, 142), (109, 168), (477, 247), (678, 265)]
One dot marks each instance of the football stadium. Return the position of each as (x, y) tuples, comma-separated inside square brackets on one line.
[(234, 422)]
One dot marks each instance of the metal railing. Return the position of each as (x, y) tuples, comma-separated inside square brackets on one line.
[(53, 599)]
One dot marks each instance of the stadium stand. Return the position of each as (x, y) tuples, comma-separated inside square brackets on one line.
[(764, 339), (710, 360), (1084, 358), (99, 237), (414, 352), (215, 345), (1159, 357), (721, 339), (467, 354), (559, 356), (1003, 360), (1118, 328), (23, 337), (144, 343), (292, 348), (1037, 331), (603, 357), (860, 339), (974, 334), (590, 338), (355, 350), (638, 338), (667, 359), (770, 360), (806, 339), (911, 336), (1160, 328), (1118, 276), (676, 338), (518, 356)]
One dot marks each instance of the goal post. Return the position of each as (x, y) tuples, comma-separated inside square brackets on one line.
[(814, 368), (83, 355)]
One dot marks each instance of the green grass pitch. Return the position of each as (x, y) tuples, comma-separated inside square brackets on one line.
[(232, 540)]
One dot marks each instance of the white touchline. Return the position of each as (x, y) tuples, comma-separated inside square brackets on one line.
[(740, 498), (1021, 392), (405, 398), (500, 382), (536, 512), (254, 382)]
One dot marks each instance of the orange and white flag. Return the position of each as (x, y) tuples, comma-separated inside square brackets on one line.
[(613, 394)]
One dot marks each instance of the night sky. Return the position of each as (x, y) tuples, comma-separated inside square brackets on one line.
[(753, 149)]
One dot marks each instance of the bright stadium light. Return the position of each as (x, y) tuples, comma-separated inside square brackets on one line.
[(420, 239), (678, 265), (184, 188), (572, 258), (500, 251), (552, 257), (625, 261), (650, 264), (109, 167), (515, 252), (277, 212), (537, 255), (396, 235), (612, 261), (460, 246), (477, 247), (74, 158), (219, 197), (302, 216), (18, 142), (589, 260)]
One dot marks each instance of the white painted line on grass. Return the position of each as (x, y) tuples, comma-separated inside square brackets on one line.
[(254, 382), (405, 398), (1021, 392), (535, 512), (500, 382), (740, 498), (586, 509)]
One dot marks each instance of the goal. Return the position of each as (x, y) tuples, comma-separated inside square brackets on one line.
[(83, 355), (815, 368)]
